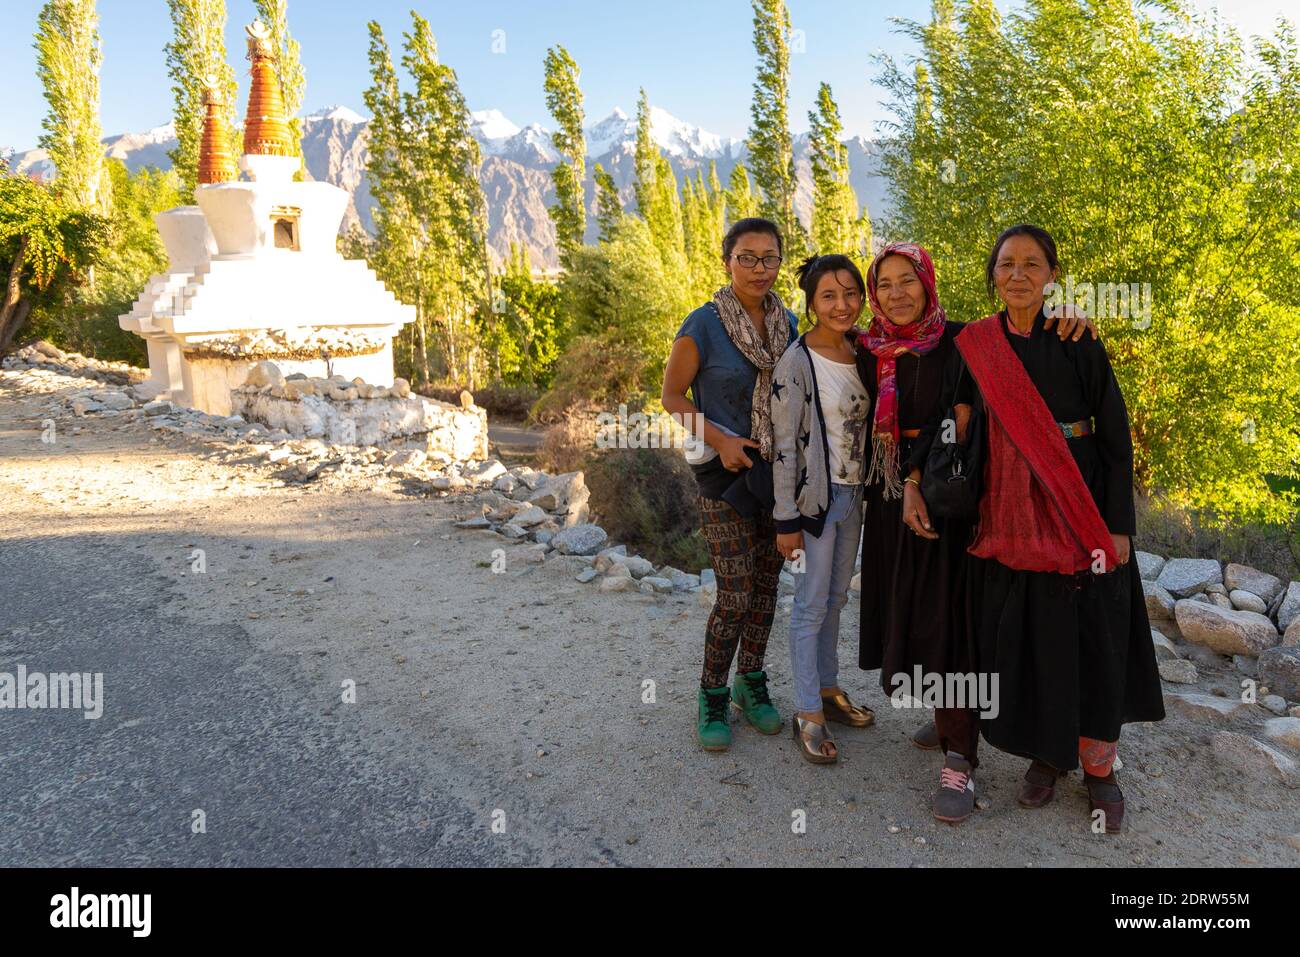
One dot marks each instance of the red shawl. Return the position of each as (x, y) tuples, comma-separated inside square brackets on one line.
[(1036, 513)]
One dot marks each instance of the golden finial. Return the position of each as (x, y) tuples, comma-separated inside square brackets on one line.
[(216, 165), (266, 126)]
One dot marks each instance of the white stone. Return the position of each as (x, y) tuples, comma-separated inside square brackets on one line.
[(406, 458), (638, 566), (1178, 671), (1244, 578), (485, 473), (1160, 604), (660, 585), (616, 583), (1248, 601), (580, 540), (118, 401), (1258, 760), (1206, 707), (1224, 630), (1292, 636), (1221, 601), (1149, 565), (1279, 669), (1184, 577), (1274, 702), (1284, 731), (587, 574), (528, 517), (1164, 648), (1289, 610)]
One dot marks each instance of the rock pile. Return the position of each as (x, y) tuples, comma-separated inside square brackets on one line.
[(43, 355), (354, 412), (1206, 618)]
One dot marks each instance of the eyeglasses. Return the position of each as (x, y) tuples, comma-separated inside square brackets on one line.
[(750, 261)]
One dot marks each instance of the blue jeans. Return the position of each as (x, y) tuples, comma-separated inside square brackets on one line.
[(820, 593)]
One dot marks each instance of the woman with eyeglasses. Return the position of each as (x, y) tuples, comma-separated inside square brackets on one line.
[(724, 354)]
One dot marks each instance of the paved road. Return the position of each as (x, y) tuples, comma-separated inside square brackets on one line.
[(198, 718)]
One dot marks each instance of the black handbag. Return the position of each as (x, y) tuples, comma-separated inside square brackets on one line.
[(954, 473)]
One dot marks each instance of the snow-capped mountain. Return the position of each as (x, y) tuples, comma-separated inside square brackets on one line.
[(517, 162)]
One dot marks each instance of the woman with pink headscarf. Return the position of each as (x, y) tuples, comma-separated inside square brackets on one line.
[(912, 566)]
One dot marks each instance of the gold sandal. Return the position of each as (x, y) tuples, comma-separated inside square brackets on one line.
[(810, 737), (838, 708)]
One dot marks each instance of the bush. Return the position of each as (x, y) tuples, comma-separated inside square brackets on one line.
[(1175, 532), (501, 401), (569, 444), (645, 498)]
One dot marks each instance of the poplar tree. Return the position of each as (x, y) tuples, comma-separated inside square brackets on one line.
[(838, 225), (288, 65), (608, 205), (197, 50), (564, 100), (656, 192), (68, 60), (447, 202), (771, 148), (739, 196)]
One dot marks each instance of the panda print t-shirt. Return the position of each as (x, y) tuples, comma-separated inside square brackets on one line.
[(845, 406)]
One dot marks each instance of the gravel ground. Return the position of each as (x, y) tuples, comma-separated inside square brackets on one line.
[(498, 717)]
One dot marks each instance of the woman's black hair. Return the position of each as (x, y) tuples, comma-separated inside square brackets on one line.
[(812, 269), (751, 224), (1036, 233)]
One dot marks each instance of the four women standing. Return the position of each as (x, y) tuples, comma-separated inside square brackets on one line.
[(1051, 607)]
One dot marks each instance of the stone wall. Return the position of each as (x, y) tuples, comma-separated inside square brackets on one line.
[(353, 412)]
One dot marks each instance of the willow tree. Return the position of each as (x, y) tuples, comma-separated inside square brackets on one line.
[(196, 51)]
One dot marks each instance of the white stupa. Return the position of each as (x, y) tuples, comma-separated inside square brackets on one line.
[(253, 272)]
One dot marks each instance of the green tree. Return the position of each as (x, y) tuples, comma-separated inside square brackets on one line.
[(68, 60), (197, 50), (1162, 158), (740, 200), (564, 100), (288, 65), (43, 239), (838, 224), (771, 148), (609, 208), (527, 334)]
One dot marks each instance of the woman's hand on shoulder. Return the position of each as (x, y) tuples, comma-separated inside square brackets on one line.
[(1071, 322)]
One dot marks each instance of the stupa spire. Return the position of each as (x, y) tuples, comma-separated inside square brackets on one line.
[(266, 128), (216, 164)]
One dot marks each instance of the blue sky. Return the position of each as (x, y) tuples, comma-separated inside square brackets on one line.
[(694, 57)]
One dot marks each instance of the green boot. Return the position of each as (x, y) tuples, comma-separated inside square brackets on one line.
[(749, 692), (714, 729)]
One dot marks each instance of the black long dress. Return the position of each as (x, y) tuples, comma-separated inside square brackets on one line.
[(1072, 653), (912, 587)]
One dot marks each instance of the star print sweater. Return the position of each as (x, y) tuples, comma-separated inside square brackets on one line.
[(801, 461)]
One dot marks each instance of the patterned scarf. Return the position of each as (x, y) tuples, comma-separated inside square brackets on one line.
[(887, 342), (742, 332)]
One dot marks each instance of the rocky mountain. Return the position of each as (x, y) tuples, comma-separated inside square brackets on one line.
[(517, 162)]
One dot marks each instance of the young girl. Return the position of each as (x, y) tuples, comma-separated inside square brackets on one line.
[(820, 421)]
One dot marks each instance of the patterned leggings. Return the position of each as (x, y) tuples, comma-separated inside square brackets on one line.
[(747, 567)]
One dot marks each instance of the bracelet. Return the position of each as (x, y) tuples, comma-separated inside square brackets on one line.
[(912, 480)]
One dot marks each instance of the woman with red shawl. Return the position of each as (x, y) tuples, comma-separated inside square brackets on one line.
[(1054, 603), (913, 569)]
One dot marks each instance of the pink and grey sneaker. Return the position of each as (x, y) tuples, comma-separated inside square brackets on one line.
[(955, 799)]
